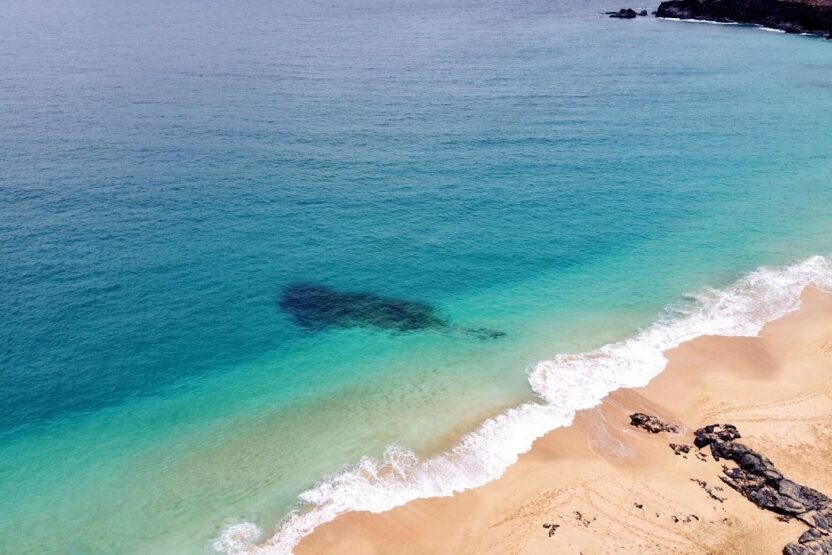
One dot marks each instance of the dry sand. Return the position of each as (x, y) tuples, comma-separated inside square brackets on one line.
[(613, 488)]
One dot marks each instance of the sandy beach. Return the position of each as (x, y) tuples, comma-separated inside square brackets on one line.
[(604, 486)]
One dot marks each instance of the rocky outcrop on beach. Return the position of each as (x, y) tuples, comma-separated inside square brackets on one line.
[(714, 433), (811, 16), (756, 478), (652, 424)]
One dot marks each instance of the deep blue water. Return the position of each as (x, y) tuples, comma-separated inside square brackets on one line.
[(167, 168)]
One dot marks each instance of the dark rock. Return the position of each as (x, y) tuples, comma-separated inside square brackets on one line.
[(792, 28), (795, 549), (751, 462), (710, 491), (772, 476), (552, 528), (810, 535), (623, 13), (680, 449), (652, 424), (715, 432), (822, 521), (580, 518), (821, 546), (642, 13), (799, 16)]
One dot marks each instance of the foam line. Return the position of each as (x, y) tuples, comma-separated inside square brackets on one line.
[(736, 23)]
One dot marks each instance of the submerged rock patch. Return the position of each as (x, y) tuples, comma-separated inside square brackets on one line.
[(317, 308)]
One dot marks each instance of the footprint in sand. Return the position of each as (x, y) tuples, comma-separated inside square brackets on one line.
[(826, 348)]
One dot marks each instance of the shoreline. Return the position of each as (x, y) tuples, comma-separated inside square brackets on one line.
[(758, 26), (607, 484), (796, 17), (733, 24)]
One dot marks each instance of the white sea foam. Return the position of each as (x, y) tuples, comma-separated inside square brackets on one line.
[(564, 384), (712, 22)]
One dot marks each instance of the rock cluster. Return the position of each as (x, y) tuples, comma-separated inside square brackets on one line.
[(680, 449), (763, 484), (801, 16), (652, 424), (709, 490), (715, 433), (552, 527), (626, 13)]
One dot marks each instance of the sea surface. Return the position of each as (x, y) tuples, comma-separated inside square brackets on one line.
[(167, 169)]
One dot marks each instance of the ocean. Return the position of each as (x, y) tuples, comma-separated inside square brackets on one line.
[(167, 170)]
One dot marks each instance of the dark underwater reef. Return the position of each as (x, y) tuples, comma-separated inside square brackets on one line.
[(314, 307)]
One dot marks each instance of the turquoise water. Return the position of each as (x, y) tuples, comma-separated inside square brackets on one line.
[(533, 167)]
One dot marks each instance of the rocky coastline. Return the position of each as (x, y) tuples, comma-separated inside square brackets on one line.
[(812, 17), (809, 17)]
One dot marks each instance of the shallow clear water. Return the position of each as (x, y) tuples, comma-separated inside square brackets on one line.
[(532, 167)]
